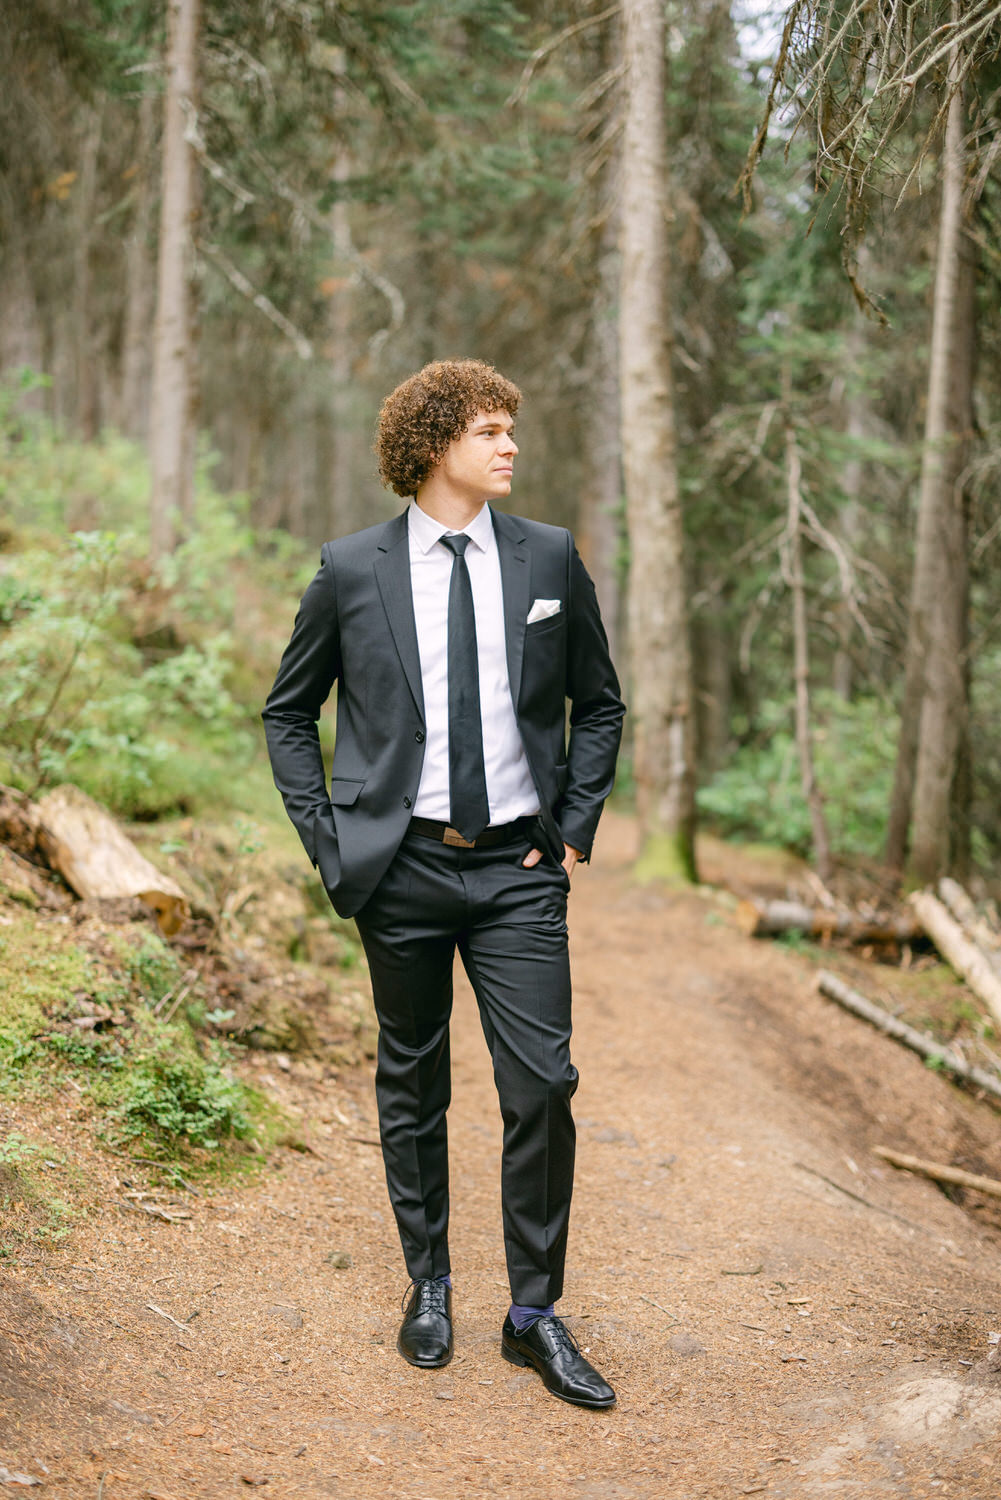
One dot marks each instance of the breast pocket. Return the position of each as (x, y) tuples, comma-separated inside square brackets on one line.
[(544, 627)]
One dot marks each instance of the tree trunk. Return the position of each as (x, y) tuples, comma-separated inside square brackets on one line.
[(942, 527), (599, 523), (135, 397), (85, 382), (172, 413), (851, 519), (934, 703), (713, 669), (801, 650), (21, 341), (660, 657), (341, 508)]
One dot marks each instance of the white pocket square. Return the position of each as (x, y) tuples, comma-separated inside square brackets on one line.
[(542, 609)]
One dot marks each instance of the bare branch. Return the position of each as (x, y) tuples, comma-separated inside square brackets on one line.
[(541, 53), (194, 138), (303, 347), (389, 290)]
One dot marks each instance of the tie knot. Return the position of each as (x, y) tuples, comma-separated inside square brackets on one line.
[(456, 542)]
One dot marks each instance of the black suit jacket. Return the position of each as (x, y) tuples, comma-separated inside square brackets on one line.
[(356, 627)]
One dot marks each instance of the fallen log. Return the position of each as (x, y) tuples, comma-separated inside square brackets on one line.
[(770, 918), (961, 952), (936, 1052), (92, 854), (937, 1173), (976, 927)]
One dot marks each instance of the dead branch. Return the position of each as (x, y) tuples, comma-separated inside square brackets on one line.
[(541, 53), (935, 1052), (161, 1314), (264, 305), (938, 1173)]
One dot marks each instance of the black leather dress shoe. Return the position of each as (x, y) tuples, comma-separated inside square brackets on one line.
[(554, 1352), (426, 1331)]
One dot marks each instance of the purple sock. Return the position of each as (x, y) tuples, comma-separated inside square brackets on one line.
[(524, 1317), (446, 1279)]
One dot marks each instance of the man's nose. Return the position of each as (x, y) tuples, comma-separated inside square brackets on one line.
[(509, 445)]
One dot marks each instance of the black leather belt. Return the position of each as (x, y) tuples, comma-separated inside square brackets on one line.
[(443, 833)]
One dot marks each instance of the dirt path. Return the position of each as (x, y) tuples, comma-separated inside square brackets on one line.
[(767, 1331)]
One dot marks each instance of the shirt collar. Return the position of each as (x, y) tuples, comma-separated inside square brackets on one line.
[(427, 532)]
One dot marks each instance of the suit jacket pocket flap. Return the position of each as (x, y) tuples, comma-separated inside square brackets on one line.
[(345, 793)]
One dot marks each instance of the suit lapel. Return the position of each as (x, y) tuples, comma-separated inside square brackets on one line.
[(392, 573), (516, 584)]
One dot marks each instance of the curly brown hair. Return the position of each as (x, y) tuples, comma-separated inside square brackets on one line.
[(427, 412)]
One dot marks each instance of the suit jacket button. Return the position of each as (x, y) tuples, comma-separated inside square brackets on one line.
[(407, 802), (419, 736)]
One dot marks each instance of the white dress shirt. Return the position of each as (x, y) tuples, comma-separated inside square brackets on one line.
[(510, 790)]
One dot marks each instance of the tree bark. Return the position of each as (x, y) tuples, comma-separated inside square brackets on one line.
[(944, 710), (934, 702), (599, 525), (172, 409), (85, 381), (713, 667), (852, 512), (341, 508), (660, 657), (21, 340)]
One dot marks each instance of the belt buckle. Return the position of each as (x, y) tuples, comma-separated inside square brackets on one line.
[(454, 839)]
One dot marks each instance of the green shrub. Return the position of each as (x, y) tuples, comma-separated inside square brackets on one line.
[(167, 1096), (148, 1078), (758, 797), (140, 683)]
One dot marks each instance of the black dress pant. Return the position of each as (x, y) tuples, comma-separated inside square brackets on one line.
[(509, 925)]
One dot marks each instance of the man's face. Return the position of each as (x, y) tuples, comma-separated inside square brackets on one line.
[(478, 465)]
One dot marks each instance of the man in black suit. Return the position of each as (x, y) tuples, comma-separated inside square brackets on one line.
[(457, 810)]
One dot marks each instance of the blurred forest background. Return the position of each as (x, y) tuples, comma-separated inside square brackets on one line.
[(760, 369)]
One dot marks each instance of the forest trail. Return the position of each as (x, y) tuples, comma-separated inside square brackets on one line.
[(767, 1332)]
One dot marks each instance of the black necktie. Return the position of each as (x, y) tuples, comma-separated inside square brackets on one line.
[(467, 779)]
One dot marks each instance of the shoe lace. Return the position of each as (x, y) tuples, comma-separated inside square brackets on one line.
[(561, 1333), (429, 1296)]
